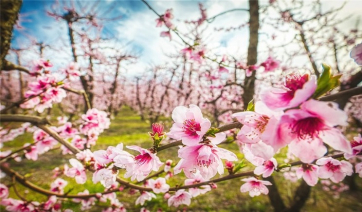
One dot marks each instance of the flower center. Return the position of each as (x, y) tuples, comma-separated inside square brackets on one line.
[(332, 167), (308, 127), (144, 158), (295, 82), (191, 127), (261, 123), (269, 164), (158, 185), (206, 163)]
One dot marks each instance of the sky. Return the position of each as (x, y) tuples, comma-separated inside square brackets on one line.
[(137, 31)]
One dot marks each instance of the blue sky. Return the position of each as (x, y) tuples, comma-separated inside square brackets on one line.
[(137, 26)]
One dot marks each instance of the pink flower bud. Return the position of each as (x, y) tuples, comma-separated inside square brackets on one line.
[(166, 196), (229, 164), (213, 185), (98, 195), (157, 128)]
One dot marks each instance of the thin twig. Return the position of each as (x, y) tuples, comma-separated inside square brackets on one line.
[(209, 20)]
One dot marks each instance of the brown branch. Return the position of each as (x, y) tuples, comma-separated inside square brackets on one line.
[(9, 66), (24, 118), (16, 190), (22, 180), (18, 103), (343, 94), (85, 96), (209, 20), (16, 151)]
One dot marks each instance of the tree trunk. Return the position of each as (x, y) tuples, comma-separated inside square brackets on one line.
[(9, 10), (252, 50)]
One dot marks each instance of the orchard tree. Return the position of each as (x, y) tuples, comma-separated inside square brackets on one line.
[(299, 116)]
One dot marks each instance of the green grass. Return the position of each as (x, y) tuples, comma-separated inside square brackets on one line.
[(127, 128)]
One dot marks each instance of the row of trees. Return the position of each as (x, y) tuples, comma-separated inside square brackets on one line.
[(220, 84)]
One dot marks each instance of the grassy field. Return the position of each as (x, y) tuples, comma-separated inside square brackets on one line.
[(127, 128)]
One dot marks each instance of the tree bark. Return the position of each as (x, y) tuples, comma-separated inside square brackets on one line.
[(252, 59), (300, 197), (9, 10), (274, 196)]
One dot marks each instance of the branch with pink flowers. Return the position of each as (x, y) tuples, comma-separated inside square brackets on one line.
[(41, 123)]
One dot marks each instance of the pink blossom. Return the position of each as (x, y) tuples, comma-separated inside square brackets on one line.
[(4, 191), (44, 141), (58, 185), (14, 205), (31, 103), (31, 153), (250, 69), (309, 173), (144, 210), (78, 171), (334, 169), (198, 55), (45, 102), (241, 65), (254, 186), (168, 165), (40, 65), (257, 153), (55, 94), (62, 119), (187, 52), (42, 84), (267, 168), (159, 22), (104, 157), (115, 209), (159, 185), (197, 178), (356, 54), (67, 131), (313, 124), (50, 203), (5, 154), (297, 89), (270, 64), (157, 128), (105, 176), (145, 196), (169, 25), (85, 156), (189, 126), (229, 165), (180, 197), (168, 15), (72, 71), (121, 158), (86, 203), (94, 121), (356, 147), (204, 158), (166, 34), (359, 169), (223, 69), (79, 142), (145, 162), (260, 125)]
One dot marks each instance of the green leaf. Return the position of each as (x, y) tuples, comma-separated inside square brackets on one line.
[(285, 165), (211, 132), (28, 175), (239, 166), (326, 81), (251, 106)]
